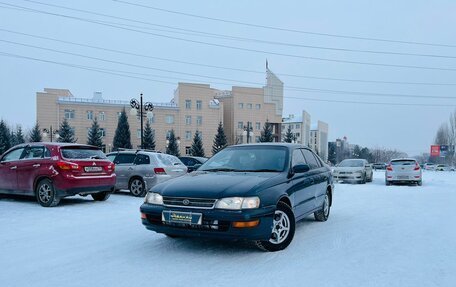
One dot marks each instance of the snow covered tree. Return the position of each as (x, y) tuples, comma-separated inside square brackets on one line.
[(197, 145), (94, 137), (66, 133), (289, 136), (172, 147), (122, 137), (149, 137), (219, 140), (5, 137), (35, 134), (266, 133)]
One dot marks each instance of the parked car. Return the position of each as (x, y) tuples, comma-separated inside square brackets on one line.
[(139, 170), (193, 162), (51, 171), (353, 170), (379, 166), (256, 192), (429, 166), (444, 167), (403, 170)]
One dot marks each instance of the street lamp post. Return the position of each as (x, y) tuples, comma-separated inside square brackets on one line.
[(247, 131), (138, 105), (50, 132)]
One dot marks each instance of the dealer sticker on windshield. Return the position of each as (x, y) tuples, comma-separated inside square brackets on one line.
[(182, 217)]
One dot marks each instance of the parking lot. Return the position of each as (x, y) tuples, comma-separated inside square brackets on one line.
[(376, 235)]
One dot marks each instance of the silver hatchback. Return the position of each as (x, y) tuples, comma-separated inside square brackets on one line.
[(139, 170), (403, 170)]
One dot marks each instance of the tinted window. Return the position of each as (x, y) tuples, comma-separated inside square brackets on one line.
[(310, 159), (111, 157), (403, 162), (34, 152), (186, 161), (124, 158), (82, 153), (13, 155), (298, 158), (142, 159)]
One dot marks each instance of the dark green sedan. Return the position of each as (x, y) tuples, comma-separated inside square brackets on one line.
[(256, 192)]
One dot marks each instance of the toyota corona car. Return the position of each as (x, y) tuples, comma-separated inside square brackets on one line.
[(51, 171), (353, 170), (256, 192)]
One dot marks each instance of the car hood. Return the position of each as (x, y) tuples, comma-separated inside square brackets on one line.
[(217, 184), (350, 169)]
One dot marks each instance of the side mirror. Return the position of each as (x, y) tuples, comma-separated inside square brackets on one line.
[(301, 168)]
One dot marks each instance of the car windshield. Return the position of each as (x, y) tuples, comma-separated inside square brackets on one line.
[(251, 159), (351, 163), (82, 153), (403, 162)]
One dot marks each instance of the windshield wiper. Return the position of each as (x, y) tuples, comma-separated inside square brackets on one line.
[(260, 170), (220, 169)]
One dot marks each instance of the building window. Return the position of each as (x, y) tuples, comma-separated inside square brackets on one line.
[(240, 125), (188, 120), (90, 115), (102, 132), (298, 126), (258, 125), (168, 135), (169, 119), (69, 114), (188, 104), (249, 106), (257, 139), (257, 106), (241, 105), (151, 120), (188, 135), (199, 120), (199, 105), (101, 116), (187, 150), (291, 126), (138, 133)]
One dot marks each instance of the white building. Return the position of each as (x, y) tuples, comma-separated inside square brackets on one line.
[(319, 139), (300, 127)]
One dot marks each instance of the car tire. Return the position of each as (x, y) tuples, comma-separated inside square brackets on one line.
[(371, 178), (420, 183), (284, 222), (101, 196), (323, 214), (45, 193), (387, 183), (363, 181), (137, 187)]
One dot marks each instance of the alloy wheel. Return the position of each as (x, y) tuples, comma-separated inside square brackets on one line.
[(281, 227), (136, 187), (45, 193)]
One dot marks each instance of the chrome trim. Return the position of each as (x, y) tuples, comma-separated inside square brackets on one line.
[(188, 206)]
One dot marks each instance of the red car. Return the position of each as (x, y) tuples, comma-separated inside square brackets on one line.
[(51, 171)]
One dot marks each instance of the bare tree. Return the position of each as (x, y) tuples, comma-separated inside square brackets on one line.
[(443, 135)]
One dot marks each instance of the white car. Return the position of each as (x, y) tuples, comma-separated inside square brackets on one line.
[(403, 170), (353, 170)]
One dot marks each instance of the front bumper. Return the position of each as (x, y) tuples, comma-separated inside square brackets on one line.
[(348, 177), (216, 223)]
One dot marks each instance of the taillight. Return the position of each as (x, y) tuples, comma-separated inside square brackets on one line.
[(417, 167), (389, 167), (64, 165), (159, 170), (110, 167)]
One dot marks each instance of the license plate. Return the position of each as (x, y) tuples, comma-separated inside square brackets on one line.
[(182, 217), (402, 177), (93, 168)]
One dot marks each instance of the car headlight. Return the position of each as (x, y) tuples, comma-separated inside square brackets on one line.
[(154, 198), (238, 203)]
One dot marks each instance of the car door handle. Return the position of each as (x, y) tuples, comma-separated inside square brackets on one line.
[(13, 167), (36, 165)]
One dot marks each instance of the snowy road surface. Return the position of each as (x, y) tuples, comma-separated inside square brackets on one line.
[(375, 236)]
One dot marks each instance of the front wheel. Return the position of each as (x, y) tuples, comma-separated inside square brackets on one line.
[(323, 213), (101, 196), (283, 229), (45, 194), (137, 187)]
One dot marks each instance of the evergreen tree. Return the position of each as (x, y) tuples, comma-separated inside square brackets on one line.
[(172, 147), (19, 135), (219, 140), (35, 134), (149, 138), (13, 140), (5, 137), (122, 137), (357, 151), (266, 133), (94, 136), (289, 136), (66, 133), (197, 145)]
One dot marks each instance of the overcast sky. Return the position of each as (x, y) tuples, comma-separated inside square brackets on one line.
[(407, 104)]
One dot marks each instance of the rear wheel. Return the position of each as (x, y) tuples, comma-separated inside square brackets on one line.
[(371, 178), (101, 196), (387, 183), (283, 229), (137, 187), (323, 213), (420, 183), (45, 194)]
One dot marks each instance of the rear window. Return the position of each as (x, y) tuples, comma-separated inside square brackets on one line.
[(82, 153), (167, 160), (403, 162)]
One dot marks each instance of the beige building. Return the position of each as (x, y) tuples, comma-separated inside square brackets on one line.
[(194, 107), (319, 139)]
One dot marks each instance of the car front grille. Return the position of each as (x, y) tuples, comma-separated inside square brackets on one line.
[(203, 203), (208, 225)]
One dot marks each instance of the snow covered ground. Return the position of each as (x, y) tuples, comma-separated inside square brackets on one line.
[(376, 236)]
